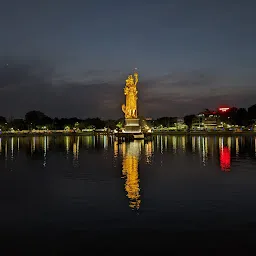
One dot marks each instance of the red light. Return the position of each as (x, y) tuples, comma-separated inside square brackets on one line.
[(225, 159), (224, 109)]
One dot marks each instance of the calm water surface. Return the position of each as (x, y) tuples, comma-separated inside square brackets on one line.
[(56, 186)]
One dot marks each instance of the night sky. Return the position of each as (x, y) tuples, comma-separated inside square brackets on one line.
[(71, 57)]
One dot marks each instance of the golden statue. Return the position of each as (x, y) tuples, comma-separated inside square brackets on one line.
[(130, 91)]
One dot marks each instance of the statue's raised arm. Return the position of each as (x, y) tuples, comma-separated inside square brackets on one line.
[(136, 78)]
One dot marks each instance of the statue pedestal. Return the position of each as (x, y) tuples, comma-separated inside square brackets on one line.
[(132, 125)]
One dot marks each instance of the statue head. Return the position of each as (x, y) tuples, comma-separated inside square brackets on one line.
[(129, 81)]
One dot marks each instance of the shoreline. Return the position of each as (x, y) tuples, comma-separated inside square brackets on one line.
[(174, 133), (201, 133)]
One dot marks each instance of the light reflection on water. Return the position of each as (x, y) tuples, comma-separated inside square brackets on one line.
[(204, 147), (220, 152), (130, 171)]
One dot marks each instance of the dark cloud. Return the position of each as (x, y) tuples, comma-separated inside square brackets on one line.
[(188, 79), (102, 100), (34, 84), (178, 94), (23, 84), (17, 74)]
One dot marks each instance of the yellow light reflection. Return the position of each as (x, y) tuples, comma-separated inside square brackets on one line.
[(199, 146), (115, 149), (67, 142), (161, 145), (18, 144), (87, 141), (255, 146), (206, 146), (221, 143), (237, 146), (194, 144), (45, 150), (157, 142), (204, 151), (47, 142), (78, 146), (183, 143), (229, 143), (123, 149), (105, 142), (33, 145), (12, 148), (148, 152), (6, 149), (174, 144), (75, 151), (130, 171)]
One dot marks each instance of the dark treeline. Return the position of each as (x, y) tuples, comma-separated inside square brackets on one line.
[(38, 120)]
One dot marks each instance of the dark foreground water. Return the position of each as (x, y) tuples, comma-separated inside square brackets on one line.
[(73, 193)]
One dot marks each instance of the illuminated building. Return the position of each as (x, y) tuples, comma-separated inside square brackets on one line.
[(207, 120), (180, 125), (214, 120)]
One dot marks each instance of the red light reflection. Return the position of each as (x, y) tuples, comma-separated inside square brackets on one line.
[(225, 159)]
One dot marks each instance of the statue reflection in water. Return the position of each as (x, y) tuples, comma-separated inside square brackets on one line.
[(130, 172)]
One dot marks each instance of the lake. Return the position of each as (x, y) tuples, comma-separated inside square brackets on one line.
[(73, 191)]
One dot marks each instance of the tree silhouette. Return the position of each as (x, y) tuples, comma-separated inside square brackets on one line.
[(2, 120), (35, 118)]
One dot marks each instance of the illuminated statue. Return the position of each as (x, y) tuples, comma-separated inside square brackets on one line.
[(130, 91)]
